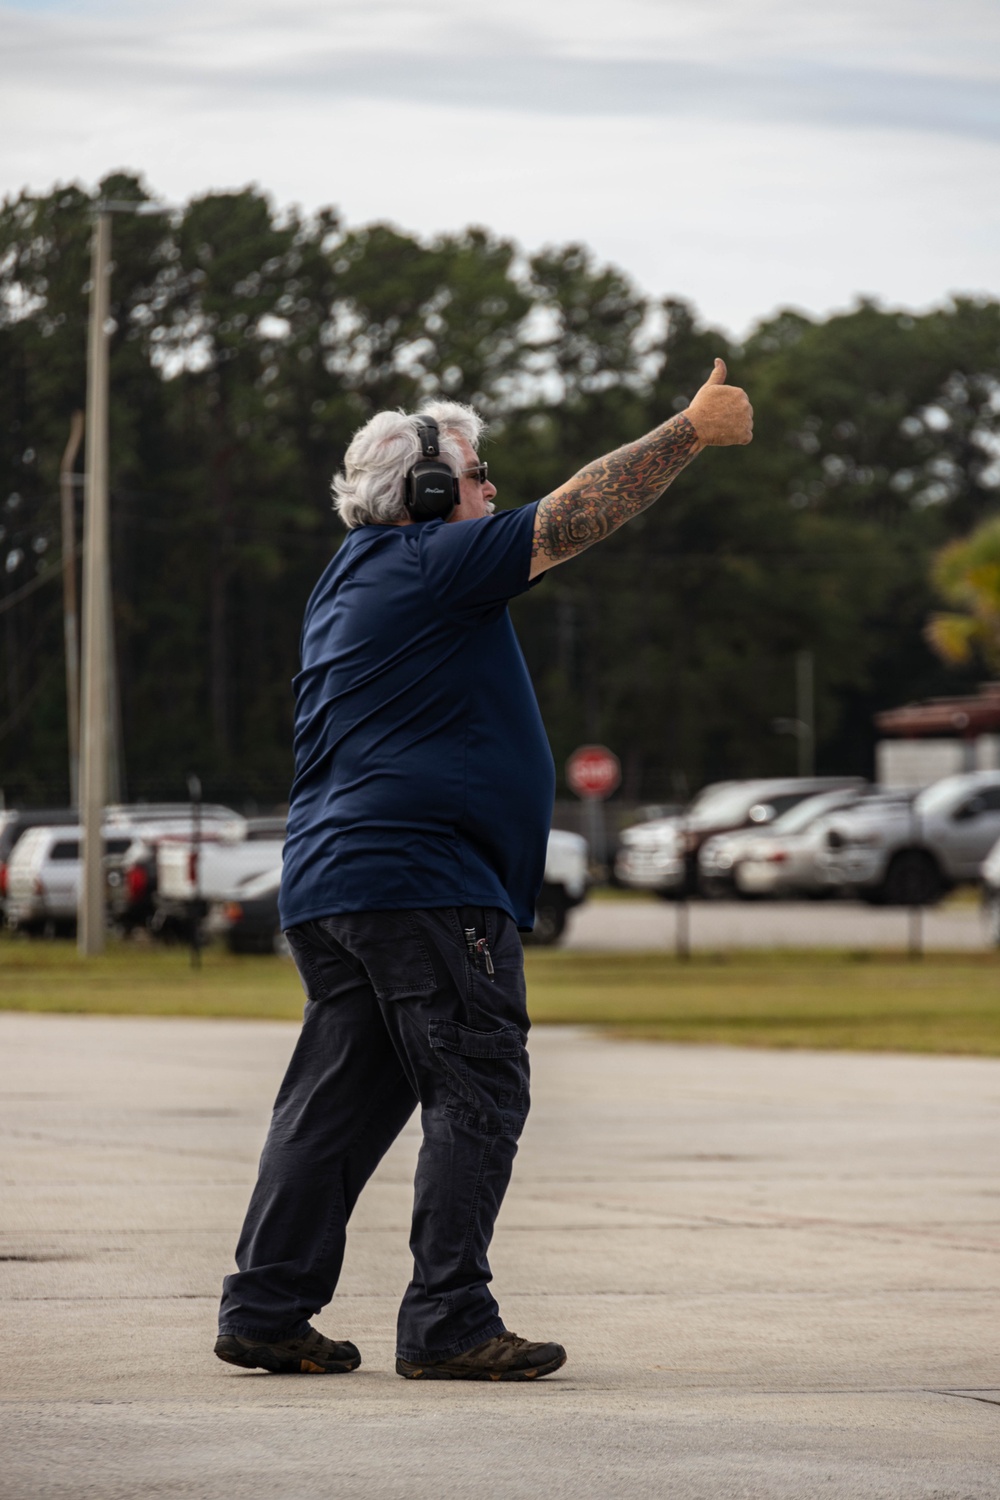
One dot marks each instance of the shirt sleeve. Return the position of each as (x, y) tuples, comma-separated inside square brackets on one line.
[(474, 567)]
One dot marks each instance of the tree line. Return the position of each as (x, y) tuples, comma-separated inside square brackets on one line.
[(248, 344)]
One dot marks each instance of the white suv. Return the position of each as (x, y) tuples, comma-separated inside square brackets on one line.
[(43, 877)]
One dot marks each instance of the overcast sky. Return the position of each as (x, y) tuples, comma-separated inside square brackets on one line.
[(788, 152)]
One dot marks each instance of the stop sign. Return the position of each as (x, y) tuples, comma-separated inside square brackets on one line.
[(593, 771)]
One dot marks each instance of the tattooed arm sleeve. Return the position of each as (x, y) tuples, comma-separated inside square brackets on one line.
[(609, 492)]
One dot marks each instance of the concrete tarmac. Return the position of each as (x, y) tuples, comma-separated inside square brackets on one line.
[(776, 1274)]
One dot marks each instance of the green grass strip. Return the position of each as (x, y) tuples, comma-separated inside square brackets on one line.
[(855, 1002)]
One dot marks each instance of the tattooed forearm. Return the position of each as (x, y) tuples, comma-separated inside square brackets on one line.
[(610, 491)]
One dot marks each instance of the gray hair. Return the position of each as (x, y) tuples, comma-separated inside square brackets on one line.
[(370, 490)]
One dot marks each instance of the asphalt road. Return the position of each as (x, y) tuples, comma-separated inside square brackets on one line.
[(775, 1274), (770, 924)]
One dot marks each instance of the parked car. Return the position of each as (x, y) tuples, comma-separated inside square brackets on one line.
[(787, 860), (16, 821), (166, 815), (246, 918), (663, 855), (190, 876), (990, 875), (132, 885), (44, 875), (911, 854), (248, 921), (266, 827), (724, 858), (563, 887)]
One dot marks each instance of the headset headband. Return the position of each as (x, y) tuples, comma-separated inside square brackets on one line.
[(427, 432)]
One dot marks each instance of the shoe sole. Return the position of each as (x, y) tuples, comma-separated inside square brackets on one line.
[(261, 1358), (441, 1372)]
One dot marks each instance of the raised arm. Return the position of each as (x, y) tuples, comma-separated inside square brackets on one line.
[(611, 490)]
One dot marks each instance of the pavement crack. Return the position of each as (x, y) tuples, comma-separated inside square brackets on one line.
[(969, 1396), (149, 1297), (39, 1259)]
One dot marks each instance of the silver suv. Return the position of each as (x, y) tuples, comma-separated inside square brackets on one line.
[(901, 853)]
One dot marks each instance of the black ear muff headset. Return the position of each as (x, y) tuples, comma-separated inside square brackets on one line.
[(430, 488)]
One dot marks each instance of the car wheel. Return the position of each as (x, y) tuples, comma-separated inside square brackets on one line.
[(991, 910), (550, 918), (912, 879)]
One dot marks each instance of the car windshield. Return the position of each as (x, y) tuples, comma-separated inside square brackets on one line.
[(939, 797), (726, 802), (799, 817)]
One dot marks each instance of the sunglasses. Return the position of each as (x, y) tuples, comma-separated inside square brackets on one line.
[(479, 471)]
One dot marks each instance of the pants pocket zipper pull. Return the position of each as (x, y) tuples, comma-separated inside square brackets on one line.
[(483, 947)]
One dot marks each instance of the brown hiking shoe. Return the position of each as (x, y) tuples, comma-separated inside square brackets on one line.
[(504, 1358), (311, 1354)]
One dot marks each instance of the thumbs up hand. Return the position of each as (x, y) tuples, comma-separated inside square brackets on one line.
[(721, 414)]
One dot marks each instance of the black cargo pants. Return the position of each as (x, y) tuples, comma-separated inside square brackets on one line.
[(403, 1007)]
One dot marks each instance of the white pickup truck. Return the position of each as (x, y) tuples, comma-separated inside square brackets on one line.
[(189, 873), (226, 871)]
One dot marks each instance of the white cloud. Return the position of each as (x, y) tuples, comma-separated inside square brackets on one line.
[(746, 158)]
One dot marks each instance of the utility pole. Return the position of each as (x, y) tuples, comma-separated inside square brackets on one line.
[(70, 621), (99, 714), (94, 721)]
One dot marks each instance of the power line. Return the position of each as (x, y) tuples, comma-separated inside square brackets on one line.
[(29, 588)]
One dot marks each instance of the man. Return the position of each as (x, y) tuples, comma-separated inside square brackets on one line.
[(416, 845)]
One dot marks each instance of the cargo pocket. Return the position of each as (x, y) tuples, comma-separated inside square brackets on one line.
[(486, 1073)]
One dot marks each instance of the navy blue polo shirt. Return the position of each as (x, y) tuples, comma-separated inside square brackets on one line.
[(423, 776)]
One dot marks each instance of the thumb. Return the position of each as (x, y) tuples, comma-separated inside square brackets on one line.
[(718, 375)]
